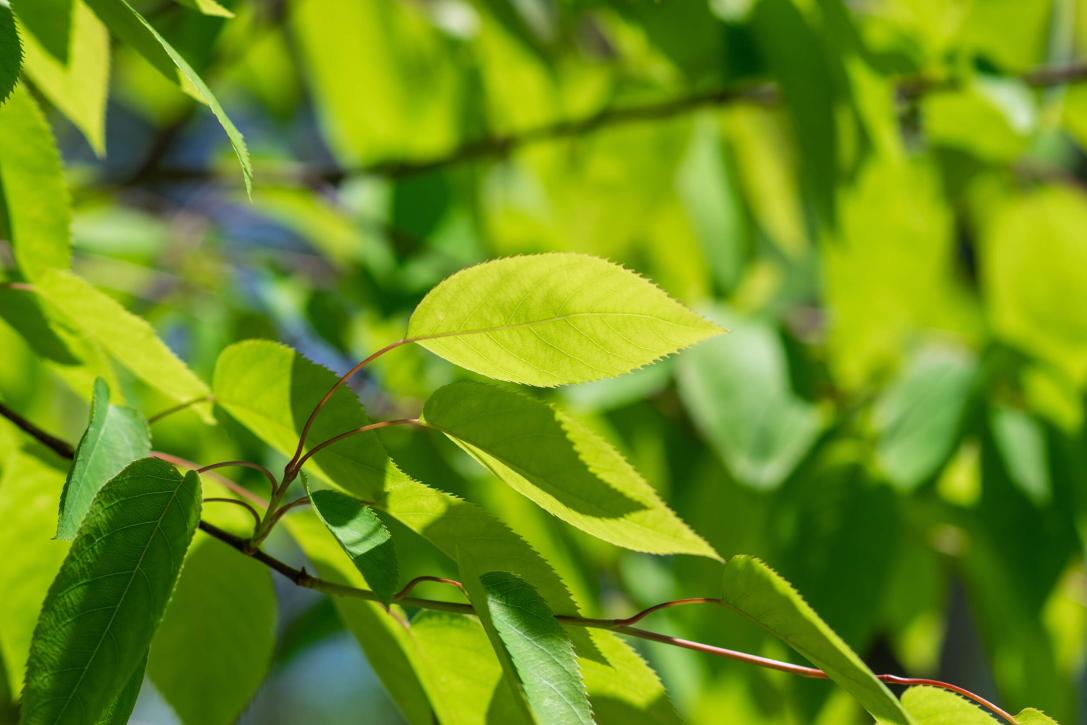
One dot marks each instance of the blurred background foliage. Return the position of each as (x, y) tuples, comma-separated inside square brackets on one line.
[(882, 199)]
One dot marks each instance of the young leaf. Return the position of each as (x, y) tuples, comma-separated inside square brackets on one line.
[(363, 536), (764, 597), (271, 389), (115, 437), (216, 640), (537, 646), (560, 465), (207, 7), (128, 338), (459, 670), (11, 53), (32, 182), (936, 706), (105, 604), (133, 28), (68, 64), (739, 395), (553, 319)]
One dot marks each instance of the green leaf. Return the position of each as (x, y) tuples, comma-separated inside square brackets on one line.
[(622, 687), (271, 389), (1030, 716), (560, 465), (1020, 440), (363, 536), (936, 706), (128, 338), (1034, 274), (11, 53), (29, 491), (458, 668), (538, 647), (760, 594), (69, 65), (920, 415), (455, 526), (115, 437), (102, 609), (215, 644), (133, 28), (120, 710), (552, 319), (207, 7), (384, 641), (738, 391), (35, 195)]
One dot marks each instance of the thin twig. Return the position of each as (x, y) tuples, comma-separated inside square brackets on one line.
[(354, 431), (400, 595), (242, 464), (907, 89), (190, 465), (301, 578), (61, 447), (292, 465)]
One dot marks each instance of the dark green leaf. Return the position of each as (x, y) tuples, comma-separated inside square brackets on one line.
[(120, 710), (112, 590), (11, 53), (115, 437), (363, 536)]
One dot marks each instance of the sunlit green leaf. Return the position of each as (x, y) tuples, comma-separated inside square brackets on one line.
[(271, 389), (1030, 716), (936, 706), (115, 437), (363, 536), (112, 590), (34, 193), (552, 319), (761, 595), (69, 64), (215, 644), (128, 338), (207, 7), (562, 466)]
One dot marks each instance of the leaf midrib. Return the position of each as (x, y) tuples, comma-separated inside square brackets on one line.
[(546, 320), (120, 600)]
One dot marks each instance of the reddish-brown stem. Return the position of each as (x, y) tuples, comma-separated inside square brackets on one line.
[(236, 502), (292, 465), (177, 408), (916, 681), (276, 515), (427, 578), (185, 463), (354, 431), (242, 464)]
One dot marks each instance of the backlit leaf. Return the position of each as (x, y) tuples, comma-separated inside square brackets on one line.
[(115, 437), (271, 389), (764, 597), (363, 536), (112, 590), (936, 706), (552, 319), (35, 195), (128, 338), (215, 644), (207, 7), (1030, 716), (560, 465)]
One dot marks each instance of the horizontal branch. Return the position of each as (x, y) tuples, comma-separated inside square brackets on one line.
[(497, 146), (621, 626)]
